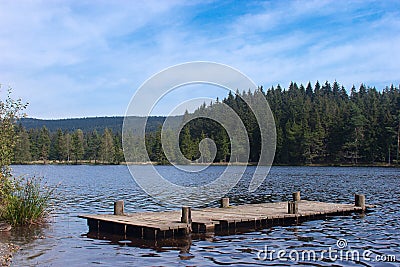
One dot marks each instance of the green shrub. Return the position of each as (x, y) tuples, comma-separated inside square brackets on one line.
[(22, 201), (27, 203), (6, 186)]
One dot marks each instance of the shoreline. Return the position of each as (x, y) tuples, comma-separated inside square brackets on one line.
[(85, 162), (7, 251)]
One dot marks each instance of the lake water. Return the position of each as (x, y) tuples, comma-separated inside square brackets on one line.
[(93, 189)]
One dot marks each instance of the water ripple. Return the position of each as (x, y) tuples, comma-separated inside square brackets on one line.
[(93, 189)]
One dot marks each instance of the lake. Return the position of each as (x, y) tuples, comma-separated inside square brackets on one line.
[(93, 189)]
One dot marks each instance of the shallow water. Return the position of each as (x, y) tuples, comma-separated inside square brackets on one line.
[(92, 189)]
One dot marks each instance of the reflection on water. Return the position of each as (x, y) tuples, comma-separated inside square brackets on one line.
[(93, 189), (181, 244)]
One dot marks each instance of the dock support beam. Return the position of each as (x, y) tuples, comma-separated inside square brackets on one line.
[(225, 202), (293, 207), (119, 207), (186, 215), (360, 201), (296, 196)]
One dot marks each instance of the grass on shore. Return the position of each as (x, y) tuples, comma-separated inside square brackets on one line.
[(26, 202)]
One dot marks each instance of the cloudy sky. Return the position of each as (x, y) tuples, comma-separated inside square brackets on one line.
[(87, 58)]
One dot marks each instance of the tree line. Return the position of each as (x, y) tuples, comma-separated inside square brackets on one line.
[(315, 124), (89, 124), (326, 125), (68, 147), (320, 124)]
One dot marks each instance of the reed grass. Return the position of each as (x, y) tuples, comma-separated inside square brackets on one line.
[(27, 203)]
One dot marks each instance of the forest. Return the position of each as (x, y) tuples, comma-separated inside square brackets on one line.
[(315, 124), (90, 124)]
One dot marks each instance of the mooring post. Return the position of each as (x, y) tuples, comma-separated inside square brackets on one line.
[(225, 202), (360, 201), (186, 215), (293, 207), (296, 196), (119, 207)]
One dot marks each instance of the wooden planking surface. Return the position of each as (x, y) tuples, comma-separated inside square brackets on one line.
[(169, 220)]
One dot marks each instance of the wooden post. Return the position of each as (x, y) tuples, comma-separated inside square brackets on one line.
[(296, 196), (225, 202), (360, 201), (293, 207), (119, 207), (186, 215)]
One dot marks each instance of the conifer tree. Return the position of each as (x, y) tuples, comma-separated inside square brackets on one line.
[(107, 147), (77, 146)]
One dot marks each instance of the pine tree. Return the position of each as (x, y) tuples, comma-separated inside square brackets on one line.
[(170, 145), (186, 144), (22, 152), (44, 144), (60, 146), (223, 146), (34, 141), (94, 141), (107, 147), (205, 149), (118, 152), (77, 146), (68, 145)]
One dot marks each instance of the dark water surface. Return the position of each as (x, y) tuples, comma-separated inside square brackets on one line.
[(93, 189)]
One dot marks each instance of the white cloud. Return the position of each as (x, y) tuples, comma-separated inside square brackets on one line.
[(71, 58)]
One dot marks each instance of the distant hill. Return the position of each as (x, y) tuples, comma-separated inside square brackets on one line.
[(93, 123)]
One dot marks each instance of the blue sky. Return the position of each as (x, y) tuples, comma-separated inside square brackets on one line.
[(87, 58)]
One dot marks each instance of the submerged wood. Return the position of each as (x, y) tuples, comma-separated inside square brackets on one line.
[(293, 207)]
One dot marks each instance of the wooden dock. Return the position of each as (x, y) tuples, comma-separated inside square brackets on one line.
[(224, 220)]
